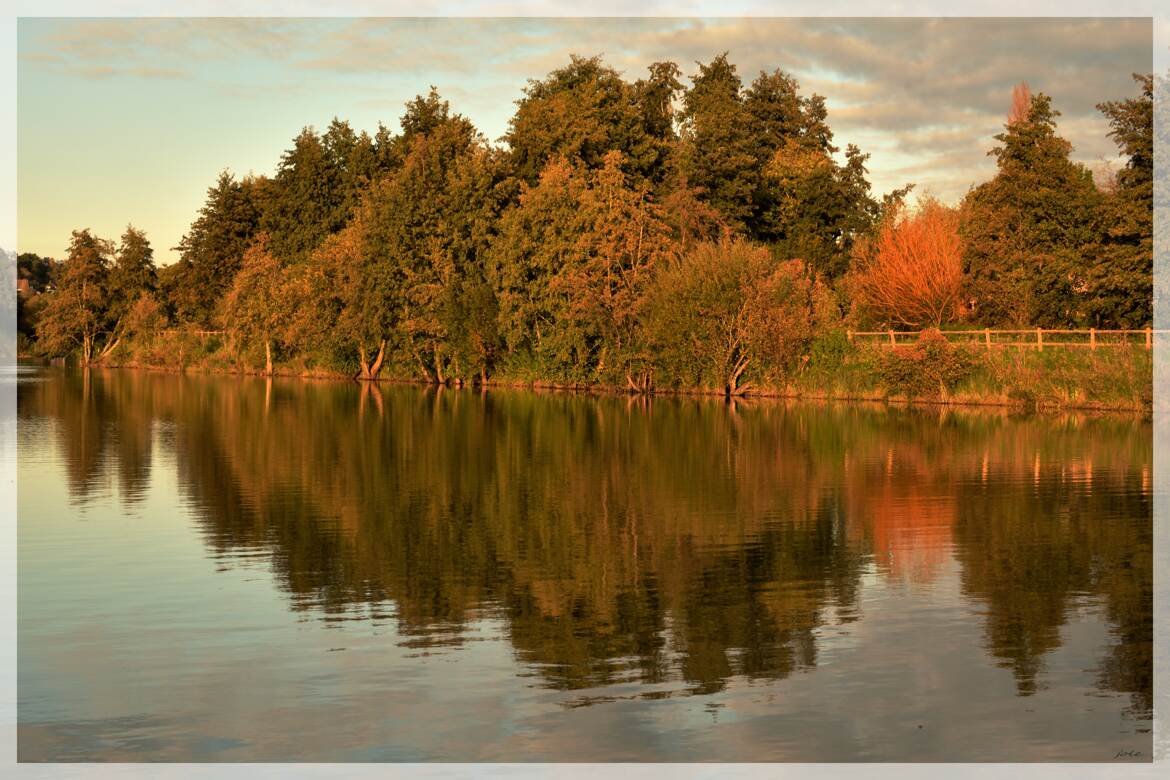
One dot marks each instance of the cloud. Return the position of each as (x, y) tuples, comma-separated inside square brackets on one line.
[(930, 90)]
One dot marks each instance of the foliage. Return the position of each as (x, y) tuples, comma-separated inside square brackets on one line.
[(1120, 283), (911, 273), (632, 233), (211, 251), (727, 307), (256, 306), (585, 110), (1030, 231), (932, 367), (76, 313)]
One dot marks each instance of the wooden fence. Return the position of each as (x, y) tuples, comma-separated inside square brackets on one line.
[(1032, 338)]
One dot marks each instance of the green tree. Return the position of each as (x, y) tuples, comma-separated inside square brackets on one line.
[(571, 267), (257, 305), (316, 188), (717, 150), (428, 229), (132, 276), (584, 110), (76, 315), (1121, 281), (211, 251), (729, 307), (1031, 231), (341, 302)]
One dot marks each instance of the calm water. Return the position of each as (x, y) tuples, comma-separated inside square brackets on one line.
[(216, 569)]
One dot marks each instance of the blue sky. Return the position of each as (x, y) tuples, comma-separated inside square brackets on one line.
[(129, 120)]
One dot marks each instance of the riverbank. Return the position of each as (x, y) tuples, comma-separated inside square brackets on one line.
[(1114, 380)]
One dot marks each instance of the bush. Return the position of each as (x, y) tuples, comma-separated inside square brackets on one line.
[(931, 367), (727, 314), (829, 351)]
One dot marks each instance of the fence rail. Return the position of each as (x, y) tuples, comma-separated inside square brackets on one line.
[(1032, 338)]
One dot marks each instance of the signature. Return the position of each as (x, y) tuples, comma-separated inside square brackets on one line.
[(1128, 754)]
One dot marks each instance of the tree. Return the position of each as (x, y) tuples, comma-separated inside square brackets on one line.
[(316, 188), (211, 251), (76, 314), (1030, 231), (571, 266), (256, 307), (1121, 281), (605, 282), (718, 152), (729, 307), (340, 301), (428, 227), (584, 110), (37, 270), (911, 273), (537, 238), (132, 277)]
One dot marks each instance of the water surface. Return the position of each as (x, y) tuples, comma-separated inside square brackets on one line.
[(217, 569)]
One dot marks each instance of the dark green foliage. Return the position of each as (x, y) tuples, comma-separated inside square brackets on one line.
[(317, 186), (211, 252), (585, 110), (718, 154), (1032, 231), (1121, 281), (37, 270)]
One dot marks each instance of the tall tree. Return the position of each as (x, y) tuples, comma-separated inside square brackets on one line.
[(1121, 282), (211, 251), (76, 315), (257, 305), (132, 276), (425, 225), (584, 110), (1030, 231), (718, 152)]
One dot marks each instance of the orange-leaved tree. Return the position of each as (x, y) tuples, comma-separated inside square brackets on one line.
[(911, 272)]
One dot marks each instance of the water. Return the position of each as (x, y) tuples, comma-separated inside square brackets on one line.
[(217, 569)]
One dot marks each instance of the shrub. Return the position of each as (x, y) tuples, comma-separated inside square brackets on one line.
[(728, 313), (933, 366)]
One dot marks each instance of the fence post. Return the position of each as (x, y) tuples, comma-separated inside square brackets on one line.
[(1092, 338), (891, 338), (1039, 340), (987, 338), (1149, 338)]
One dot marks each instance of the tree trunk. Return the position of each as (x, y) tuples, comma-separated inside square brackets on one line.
[(268, 357), (363, 364), (109, 348), (732, 386), (377, 367), (87, 349)]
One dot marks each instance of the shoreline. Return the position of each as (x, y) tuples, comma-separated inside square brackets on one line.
[(959, 400)]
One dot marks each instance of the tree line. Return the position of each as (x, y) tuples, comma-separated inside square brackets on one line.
[(637, 233)]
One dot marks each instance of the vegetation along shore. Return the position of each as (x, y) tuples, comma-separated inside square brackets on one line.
[(640, 236)]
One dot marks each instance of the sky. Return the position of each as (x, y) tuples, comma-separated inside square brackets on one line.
[(129, 121)]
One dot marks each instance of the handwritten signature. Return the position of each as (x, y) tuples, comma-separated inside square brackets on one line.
[(1128, 754)]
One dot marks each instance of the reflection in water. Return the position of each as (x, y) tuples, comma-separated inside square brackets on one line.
[(631, 542)]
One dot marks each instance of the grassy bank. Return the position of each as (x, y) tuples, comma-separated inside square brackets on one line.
[(1119, 378)]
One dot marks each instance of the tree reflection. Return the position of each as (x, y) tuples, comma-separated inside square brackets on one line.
[(641, 541)]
